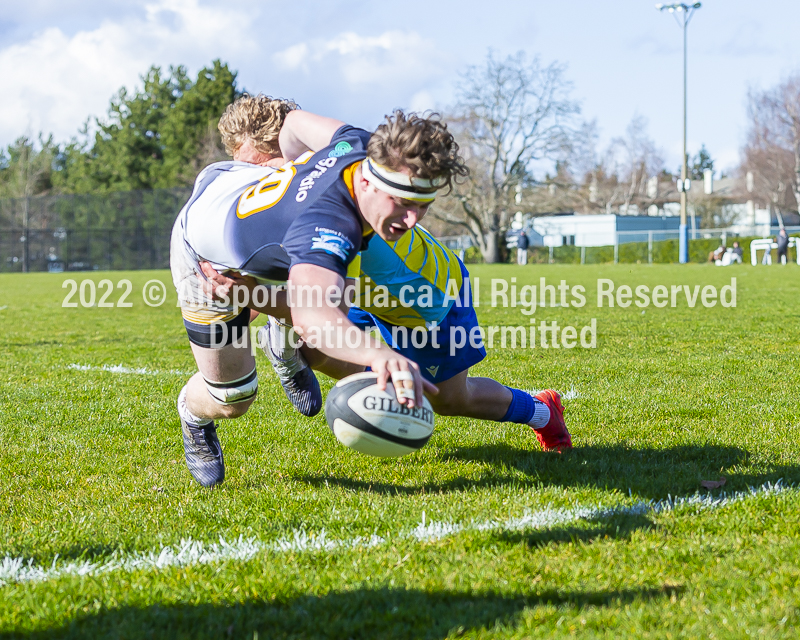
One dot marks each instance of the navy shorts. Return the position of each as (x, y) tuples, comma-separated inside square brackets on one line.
[(434, 359), (220, 333)]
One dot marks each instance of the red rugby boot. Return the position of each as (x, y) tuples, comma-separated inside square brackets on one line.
[(554, 436)]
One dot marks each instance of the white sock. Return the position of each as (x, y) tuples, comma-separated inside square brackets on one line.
[(281, 338), (541, 415), (185, 414)]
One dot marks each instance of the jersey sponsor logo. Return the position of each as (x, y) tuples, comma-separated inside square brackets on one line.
[(340, 149), (331, 242), (433, 370), (308, 182)]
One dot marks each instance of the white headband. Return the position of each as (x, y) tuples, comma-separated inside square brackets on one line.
[(399, 184)]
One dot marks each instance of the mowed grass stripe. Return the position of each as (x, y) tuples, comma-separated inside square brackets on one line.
[(193, 552), (91, 468)]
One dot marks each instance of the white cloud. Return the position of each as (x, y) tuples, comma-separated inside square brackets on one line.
[(52, 82), (392, 58), (293, 58), (62, 60), (359, 77), (422, 101)]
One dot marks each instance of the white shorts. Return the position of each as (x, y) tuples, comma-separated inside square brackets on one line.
[(196, 306)]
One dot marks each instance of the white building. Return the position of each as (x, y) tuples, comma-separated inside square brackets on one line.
[(597, 230)]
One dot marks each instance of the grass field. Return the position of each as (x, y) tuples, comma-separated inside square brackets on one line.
[(478, 535)]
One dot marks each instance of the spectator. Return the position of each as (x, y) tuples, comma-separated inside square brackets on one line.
[(522, 248), (783, 246), (716, 255), (736, 253)]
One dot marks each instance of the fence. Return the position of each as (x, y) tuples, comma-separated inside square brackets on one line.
[(125, 230), (130, 230), (631, 247)]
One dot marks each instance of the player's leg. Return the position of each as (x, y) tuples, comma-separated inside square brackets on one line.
[(295, 363), (487, 399), (481, 398), (221, 388), (224, 387), (276, 339), (446, 361), (280, 344), (336, 369), (226, 382)]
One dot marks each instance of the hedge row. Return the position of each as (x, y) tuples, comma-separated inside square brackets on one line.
[(664, 252)]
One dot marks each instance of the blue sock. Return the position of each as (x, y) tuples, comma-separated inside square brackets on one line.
[(524, 407)]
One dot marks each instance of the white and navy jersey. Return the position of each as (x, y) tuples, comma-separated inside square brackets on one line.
[(262, 221)]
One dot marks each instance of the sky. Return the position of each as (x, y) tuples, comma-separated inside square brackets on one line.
[(62, 61)]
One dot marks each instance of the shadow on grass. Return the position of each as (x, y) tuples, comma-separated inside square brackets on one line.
[(617, 527), (648, 473), (375, 613), (77, 552)]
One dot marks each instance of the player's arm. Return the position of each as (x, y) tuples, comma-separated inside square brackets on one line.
[(321, 323), (303, 131), (221, 286), (218, 286)]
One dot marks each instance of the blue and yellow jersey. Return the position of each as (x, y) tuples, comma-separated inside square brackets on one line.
[(411, 283)]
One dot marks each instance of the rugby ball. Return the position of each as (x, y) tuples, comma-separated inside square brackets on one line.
[(372, 421)]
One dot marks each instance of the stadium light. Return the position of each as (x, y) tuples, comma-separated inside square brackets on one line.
[(683, 14)]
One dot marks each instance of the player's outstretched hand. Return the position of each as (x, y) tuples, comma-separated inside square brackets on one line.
[(405, 376), (218, 286)]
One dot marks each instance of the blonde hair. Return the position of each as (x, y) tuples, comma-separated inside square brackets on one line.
[(257, 118), (420, 143)]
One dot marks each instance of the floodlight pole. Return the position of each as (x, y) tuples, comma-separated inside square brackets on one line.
[(683, 13)]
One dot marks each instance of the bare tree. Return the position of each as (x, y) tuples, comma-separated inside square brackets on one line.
[(772, 151), (633, 159), (618, 177), (510, 114)]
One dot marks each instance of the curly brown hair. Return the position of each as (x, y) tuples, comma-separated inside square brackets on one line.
[(420, 143), (258, 118)]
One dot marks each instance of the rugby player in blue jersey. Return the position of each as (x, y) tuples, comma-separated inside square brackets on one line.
[(299, 225), (416, 262)]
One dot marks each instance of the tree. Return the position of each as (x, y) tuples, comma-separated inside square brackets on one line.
[(634, 159), (510, 114), (619, 177), (772, 151), (25, 169), (156, 137), (190, 134), (711, 211), (701, 162)]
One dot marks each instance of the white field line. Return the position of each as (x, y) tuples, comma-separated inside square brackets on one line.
[(565, 395), (118, 368), (194, 552)]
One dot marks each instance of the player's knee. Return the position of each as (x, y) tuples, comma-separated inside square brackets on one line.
[(234, 397), (237, 410)]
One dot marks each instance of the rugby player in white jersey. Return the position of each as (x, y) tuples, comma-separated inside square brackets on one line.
[(417, 263), (300, 225)]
